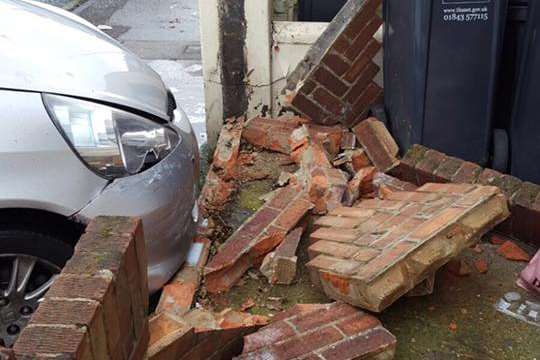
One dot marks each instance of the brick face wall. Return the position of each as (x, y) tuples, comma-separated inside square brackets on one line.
[(97, 307), (422, 164), (372, 254), (335, 82), (333, 331)]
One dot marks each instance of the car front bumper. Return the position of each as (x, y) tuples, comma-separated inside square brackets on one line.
[(164, 198)]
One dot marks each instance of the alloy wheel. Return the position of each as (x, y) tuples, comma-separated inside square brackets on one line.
[(24, 280)]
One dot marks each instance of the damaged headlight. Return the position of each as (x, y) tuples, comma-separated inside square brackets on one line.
[(112, 142)]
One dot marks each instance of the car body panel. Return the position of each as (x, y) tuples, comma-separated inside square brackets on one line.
[(164, 197), (57, 54), (29, 179)]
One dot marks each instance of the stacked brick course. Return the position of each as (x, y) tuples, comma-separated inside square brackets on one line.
[(200, 334), (374, 253), (259, 235), (334, 83), (334, 331), (422, 164), (96, 308)]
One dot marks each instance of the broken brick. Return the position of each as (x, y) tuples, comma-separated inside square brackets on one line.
[(513, 252), (361, 184), (200, 334), (378, 143), (384, 185), (215, 194), (327, 188), (178, 295), (421, 232), (228, 148), (481, 266), (274, 134), (259, 235), (337, 330), (279, 266)]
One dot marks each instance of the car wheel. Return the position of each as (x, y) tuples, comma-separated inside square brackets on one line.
[(29, 263)]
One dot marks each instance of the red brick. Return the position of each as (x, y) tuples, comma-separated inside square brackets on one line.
[(267, 242), (307, 343), (352, 212), (425, 169), (338, 250), (87, 313), (215, 193), (378, 143), (284, 197), (467, 173), (309, 109), (361, 18), (360, 185), (328, 101), (37, 341), (322, 317), (360, 108), (358, 324), (513, 252), (481, 266), (308, 87), (335, 63), (228, 148), (316, 327), (489, 177), (239, 242), (291, 215), (448, 169), (362, 58), (330, 82), (339, 235), (267, 336), (364, 346), (387, 258), (361, 83), (223, 279), (169, 337)]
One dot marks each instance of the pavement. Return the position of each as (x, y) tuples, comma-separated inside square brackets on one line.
[(165, 33)]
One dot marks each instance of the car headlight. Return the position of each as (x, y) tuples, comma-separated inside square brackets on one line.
[(112, 142)]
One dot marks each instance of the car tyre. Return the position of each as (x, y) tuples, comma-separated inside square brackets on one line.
[(29, 263)]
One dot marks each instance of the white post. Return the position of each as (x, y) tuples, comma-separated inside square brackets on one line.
[(259, 56), (210, 50)]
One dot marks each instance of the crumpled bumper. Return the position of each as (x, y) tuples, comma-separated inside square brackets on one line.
[(164, 198)]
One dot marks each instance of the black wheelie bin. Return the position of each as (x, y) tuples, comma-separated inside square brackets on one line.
[(319, 10), (525, 124), (441, 60)]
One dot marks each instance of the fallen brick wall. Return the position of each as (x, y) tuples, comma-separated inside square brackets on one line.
[(200, 334), (334, 332), (259, 235), (334, 82), (421, 165), (372, 254), (96, 308)]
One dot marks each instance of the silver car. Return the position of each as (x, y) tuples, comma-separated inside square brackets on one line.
[(86, 129)]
